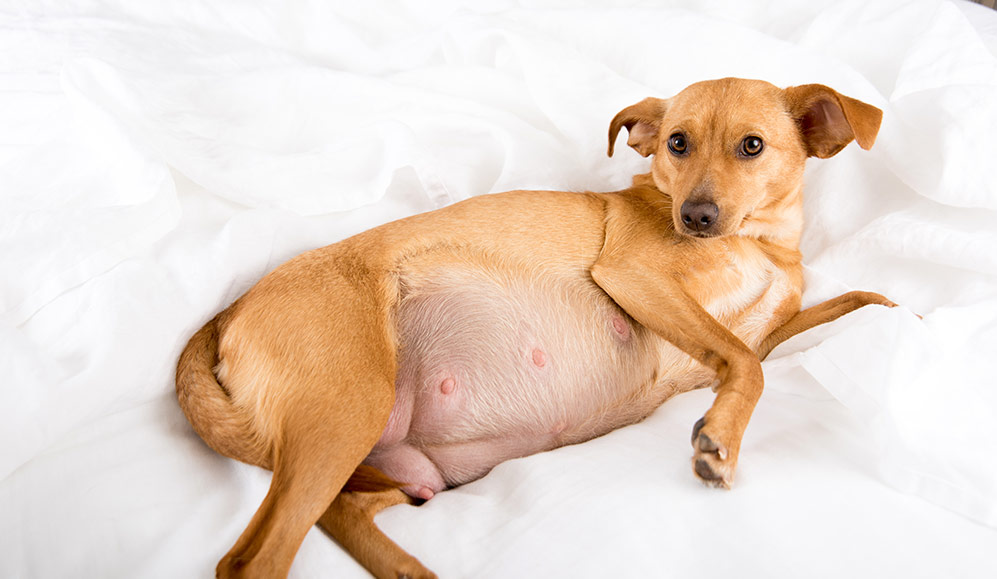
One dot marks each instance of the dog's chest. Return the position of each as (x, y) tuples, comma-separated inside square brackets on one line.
[(741, 288)]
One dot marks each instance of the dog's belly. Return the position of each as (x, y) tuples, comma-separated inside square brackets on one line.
[(496, 365)]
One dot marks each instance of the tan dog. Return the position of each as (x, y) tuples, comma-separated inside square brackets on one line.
[(430, 349)]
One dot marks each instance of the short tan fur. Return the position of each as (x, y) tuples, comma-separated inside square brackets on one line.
[(340, 370)]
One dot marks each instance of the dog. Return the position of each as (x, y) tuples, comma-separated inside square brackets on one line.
[(417, 355)]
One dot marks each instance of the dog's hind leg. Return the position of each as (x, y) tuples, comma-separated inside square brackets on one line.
[(319, 447), (821, 313), (350, 521)]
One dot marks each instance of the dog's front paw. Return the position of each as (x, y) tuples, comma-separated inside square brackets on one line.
[(713, 462)]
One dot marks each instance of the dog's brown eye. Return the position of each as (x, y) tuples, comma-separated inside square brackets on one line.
[(677, 144), (751, 146)]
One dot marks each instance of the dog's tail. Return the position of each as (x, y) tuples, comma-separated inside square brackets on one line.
[(223, 427), (208, 407)]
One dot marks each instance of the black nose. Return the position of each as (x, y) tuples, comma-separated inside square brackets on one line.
[(699, 215)]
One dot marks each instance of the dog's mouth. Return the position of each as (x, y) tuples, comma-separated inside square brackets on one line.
[(684, 229), (700, 234)]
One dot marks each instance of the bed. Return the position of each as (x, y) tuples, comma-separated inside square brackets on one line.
[(157, 158)]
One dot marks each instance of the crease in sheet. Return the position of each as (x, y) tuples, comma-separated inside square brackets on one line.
[(900, 378)]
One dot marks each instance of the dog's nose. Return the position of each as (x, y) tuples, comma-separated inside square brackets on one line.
[(699, 215)]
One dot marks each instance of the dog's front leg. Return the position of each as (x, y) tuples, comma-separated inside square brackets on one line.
[(659, 303)]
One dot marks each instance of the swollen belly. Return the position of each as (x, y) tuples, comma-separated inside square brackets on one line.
[(494, 367)]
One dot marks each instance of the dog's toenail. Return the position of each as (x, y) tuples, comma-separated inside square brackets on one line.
[(696, 428)]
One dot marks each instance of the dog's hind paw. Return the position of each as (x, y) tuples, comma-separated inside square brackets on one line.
[(712, 461), (416, 571)]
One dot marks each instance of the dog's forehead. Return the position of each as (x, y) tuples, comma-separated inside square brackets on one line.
[(727, 103)]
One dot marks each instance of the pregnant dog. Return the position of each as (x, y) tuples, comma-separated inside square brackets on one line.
[(416, 356)]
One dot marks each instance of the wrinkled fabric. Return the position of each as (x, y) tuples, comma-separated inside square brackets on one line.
[(156, 159)]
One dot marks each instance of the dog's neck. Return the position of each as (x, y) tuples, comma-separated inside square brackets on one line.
[(778, 223)]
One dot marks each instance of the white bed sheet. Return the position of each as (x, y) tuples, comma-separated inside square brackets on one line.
[(156, 159)]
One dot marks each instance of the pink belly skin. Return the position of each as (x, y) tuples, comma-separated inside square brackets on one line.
[(494, 367)]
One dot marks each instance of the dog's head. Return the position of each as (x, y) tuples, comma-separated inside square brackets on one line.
[(730, 152)]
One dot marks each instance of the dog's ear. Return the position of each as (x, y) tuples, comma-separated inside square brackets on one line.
[(828, 120), (642, 121)]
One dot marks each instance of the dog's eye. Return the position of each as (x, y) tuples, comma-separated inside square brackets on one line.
[(751, 146), (677, 144)]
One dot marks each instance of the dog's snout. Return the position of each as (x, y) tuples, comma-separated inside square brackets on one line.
[(699, 215)]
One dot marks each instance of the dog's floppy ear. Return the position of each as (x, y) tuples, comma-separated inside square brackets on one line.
[(642, 121), (828, 120)]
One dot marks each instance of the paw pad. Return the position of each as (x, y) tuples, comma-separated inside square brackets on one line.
[(710, 459)]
